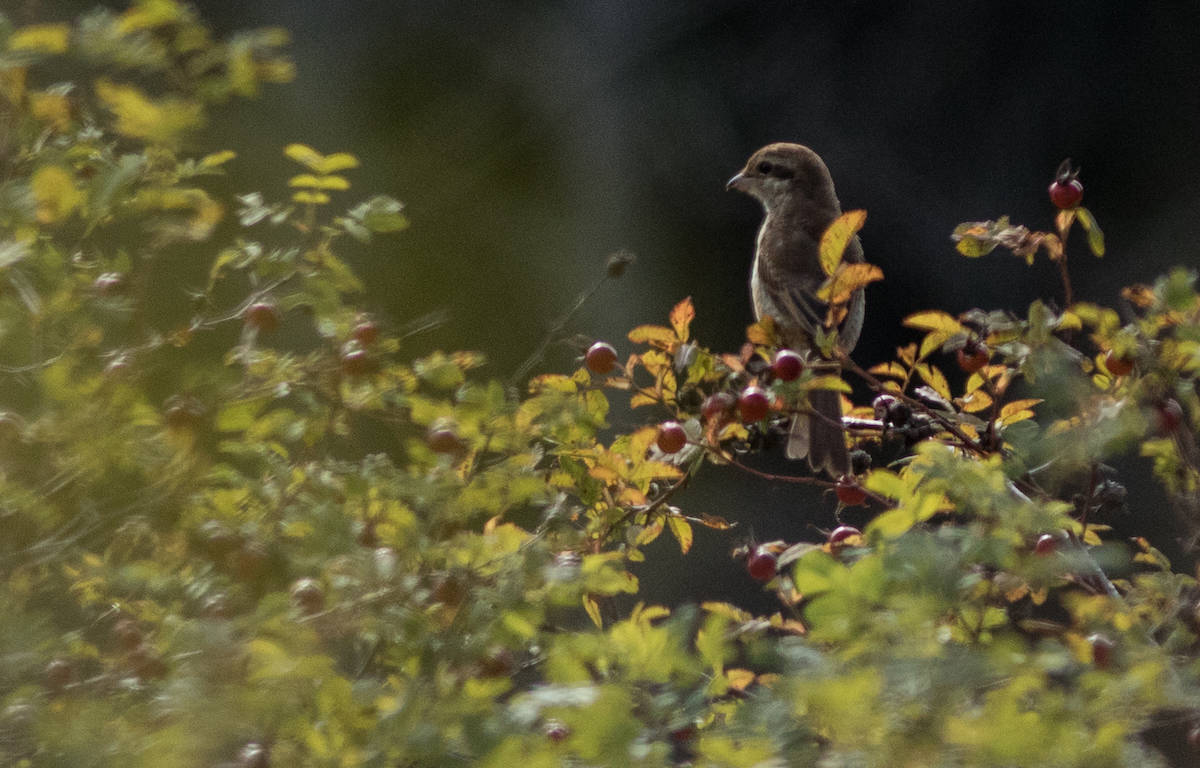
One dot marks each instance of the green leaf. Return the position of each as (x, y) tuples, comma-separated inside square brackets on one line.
[(1095, 237)]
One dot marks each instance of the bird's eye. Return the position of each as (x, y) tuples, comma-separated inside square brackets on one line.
[(765, 167)]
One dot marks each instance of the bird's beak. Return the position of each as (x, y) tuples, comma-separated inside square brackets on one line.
[(737, 182)]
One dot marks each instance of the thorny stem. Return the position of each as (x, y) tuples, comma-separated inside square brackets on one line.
[(967, 442), (555, 331)]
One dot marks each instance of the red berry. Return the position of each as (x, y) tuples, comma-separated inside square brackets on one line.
[(1102, 650), (1168, 415), (849, 492), (601, 358), (1193, 737), (787, 366), (1066, 193), (365, 333), (262, 315), (1117, 365), (717, 405), (753, 404), (761, 564), (839, 535), (1046, 544), (973, 357), (443, 440), (356, 361), (671, 437)]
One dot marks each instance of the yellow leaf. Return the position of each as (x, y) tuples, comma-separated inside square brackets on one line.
[(44, 38), (593, 610), (1018, 406), (309, 181), (217, 158), (1095, 237), (934, 378), (303, 154), (889, 369), (649, 533), (739, 679), (975, 401), (656, 335), (762, 332), (837, 236), (315, 198), (682, 315), (50, 108), (848, 278), (834, 383), (338, 161), (55, 192), (682, 531), (161, 121), (934, 320)]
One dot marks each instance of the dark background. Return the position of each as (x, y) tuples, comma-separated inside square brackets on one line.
[(530, 139)]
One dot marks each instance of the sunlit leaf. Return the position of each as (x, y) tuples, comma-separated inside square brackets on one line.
[(837, 236), (682, 315)]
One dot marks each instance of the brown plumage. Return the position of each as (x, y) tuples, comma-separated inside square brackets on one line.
[(797, 195)]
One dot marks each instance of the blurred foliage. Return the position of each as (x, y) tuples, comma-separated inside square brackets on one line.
[(312, 551)]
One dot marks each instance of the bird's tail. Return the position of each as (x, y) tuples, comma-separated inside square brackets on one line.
[(819, 435)]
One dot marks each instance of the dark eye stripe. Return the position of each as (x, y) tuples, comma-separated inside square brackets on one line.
[(767, 168)]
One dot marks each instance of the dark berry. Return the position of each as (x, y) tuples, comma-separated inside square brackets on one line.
[(127, 634), (973, 357), (1118, 365), (1066, 193), (308, 596), (58, 675), (787, 365), (365, 333), (753, 404), (147, 663), (253, 755), (601, 358), (356, 361), (1102, 650), (1046, 544), (761, 564), (109, 283), (849, 492), (1193, 737), (443, 440), (838, 536), (183, 412), (671, 437), (717, 406), (557, 731), (1168, 415), (262, 315)]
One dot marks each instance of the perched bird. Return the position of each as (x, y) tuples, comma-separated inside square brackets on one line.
[(796, 192)]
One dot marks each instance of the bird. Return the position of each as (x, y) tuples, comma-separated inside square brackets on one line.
[(796, 191)]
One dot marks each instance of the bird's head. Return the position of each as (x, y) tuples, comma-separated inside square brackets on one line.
[(786, 173)]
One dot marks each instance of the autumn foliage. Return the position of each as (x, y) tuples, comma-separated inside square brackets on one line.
[(245, 529)]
